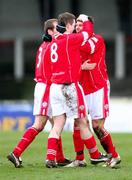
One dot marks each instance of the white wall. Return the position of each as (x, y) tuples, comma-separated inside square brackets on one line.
[(19, 19), (120, 119)]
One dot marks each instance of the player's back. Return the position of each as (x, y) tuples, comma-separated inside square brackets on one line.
[(65, 58), (43, 67)]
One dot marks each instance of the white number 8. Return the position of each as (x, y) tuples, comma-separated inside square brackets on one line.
[(54, 55)]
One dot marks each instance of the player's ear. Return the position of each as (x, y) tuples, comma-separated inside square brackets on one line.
[(49, 31)]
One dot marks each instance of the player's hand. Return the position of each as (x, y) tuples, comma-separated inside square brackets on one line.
[(82, 17), (88, 66)]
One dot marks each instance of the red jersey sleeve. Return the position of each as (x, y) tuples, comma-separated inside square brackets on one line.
[(92, 45), (78, 39), (88, 27)]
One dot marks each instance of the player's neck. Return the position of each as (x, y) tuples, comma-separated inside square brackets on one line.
[(66, 32), (57, 35)]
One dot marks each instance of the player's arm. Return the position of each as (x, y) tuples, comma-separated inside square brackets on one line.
[(87, 32), (92, 45), (88, 66), (77, 39)]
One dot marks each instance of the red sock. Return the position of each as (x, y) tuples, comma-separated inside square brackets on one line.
[(52, 148), (78, 144), (59, 154), (26, 139), (108, 145), (92, 148)]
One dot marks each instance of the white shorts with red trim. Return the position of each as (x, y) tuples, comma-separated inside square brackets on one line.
[(98, 103), (41, 100), (67, 99)]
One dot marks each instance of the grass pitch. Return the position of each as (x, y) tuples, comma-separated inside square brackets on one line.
[(33, 160)]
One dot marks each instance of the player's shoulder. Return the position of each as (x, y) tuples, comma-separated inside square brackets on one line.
[(74, 35), (59, 36), (43, 45), (97, 38)]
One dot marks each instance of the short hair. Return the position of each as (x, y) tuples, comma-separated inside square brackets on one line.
[(49, 25), (65, 18)]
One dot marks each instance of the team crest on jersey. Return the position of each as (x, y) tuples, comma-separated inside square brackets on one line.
[(81, 107), (44, 104)]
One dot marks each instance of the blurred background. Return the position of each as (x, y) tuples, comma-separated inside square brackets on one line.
[(21, 29)]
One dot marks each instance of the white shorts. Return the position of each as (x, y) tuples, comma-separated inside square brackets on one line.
[(41, 100), (67, 99), (98, 103)]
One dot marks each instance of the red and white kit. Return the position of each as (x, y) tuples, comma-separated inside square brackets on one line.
[(66, 68), (95, 82), (42, 77)]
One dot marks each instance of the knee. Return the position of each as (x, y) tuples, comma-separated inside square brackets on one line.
[(98, 124), (40, 129), (84, 123), (39, 126), (55, 133), (39, 123)]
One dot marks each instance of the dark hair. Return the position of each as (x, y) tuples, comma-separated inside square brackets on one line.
[(65, 18), (49, 25)]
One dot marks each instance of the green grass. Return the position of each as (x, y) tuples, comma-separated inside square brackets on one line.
[(33, 160)]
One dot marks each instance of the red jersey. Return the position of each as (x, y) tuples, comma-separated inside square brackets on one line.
[(65, 58), (94, 50), (43, 67)]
